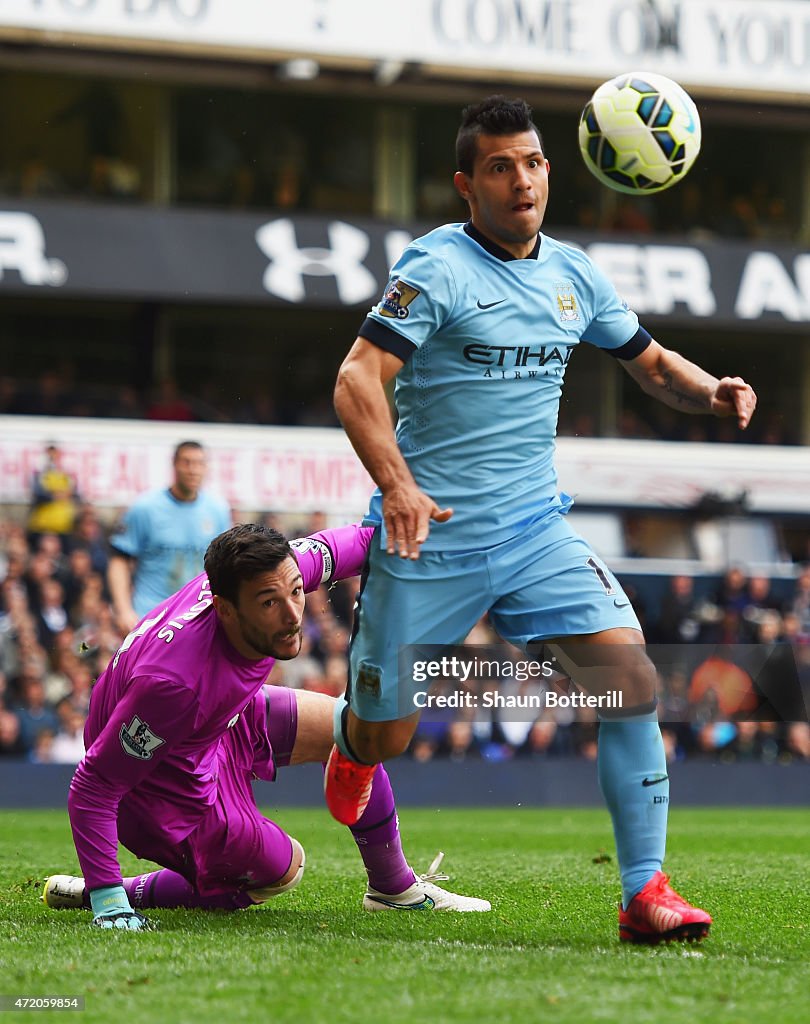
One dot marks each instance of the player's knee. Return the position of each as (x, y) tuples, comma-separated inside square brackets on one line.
[(630, 670), (376, 751), (373, 742), (289, 880), (643, 683)]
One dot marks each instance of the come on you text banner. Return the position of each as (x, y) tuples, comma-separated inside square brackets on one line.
[(756, 46), (300, 469)]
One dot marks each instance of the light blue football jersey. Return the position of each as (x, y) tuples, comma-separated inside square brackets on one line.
[(486, 340), (169, 539)]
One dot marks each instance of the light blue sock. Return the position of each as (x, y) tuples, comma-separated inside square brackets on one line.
[(339, 729), (337, 726), (633, 778)]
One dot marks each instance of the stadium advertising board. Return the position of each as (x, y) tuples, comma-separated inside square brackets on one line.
[(174, 255), (300, 469), (282, 469), (756, 47)]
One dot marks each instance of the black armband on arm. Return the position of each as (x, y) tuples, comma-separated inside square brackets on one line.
[(386, 339), (634, 347)]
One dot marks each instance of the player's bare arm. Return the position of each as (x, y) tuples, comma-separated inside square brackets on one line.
[(362, 405), (682, 385), (119, 579)]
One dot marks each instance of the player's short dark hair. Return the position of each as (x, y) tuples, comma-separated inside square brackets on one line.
[(242, 553), (496, 115), (186, 444)]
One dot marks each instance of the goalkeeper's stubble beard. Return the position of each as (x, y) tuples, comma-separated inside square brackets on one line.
[(281, 645)]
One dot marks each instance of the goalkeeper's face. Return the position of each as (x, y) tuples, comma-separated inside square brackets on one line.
[(266, 620)]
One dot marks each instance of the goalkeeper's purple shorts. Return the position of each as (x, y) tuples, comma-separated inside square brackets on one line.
[(234, 846)]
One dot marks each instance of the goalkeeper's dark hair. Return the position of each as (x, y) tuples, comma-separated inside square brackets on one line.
[(242, 553), (496, 115)]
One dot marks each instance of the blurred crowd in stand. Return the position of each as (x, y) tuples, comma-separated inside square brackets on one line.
[(59, 393), (58, 632), (225, 157)]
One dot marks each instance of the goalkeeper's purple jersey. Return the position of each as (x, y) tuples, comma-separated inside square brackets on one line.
[(161, 707)]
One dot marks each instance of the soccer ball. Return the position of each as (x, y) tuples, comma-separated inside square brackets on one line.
[(639, 133)]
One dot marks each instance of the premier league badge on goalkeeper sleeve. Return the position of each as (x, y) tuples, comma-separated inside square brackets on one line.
[(138, 740)]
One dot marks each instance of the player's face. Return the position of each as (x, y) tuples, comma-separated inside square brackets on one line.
[(508, 190), (266, 623), (189, 472)]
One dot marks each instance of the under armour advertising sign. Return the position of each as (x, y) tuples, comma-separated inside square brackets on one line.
[(109, 251), (22, 250), (342, 260)]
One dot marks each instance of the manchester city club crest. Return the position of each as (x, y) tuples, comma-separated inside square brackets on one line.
[(369, 679), (566, 301), (138, 740)]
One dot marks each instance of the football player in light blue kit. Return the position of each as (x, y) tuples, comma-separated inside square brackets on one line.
[(164, 537), (477, 323)]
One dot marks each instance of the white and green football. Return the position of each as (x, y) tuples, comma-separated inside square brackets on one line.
[(639, 133)]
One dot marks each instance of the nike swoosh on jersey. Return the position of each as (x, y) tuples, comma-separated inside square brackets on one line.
[(654, 782), (489, 305)]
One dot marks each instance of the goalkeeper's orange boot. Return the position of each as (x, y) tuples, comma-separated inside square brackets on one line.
[(659, 914), (347, 787)]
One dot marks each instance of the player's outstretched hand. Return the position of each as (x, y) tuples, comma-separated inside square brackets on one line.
[(733, 397), (111, 909), (407, 512), (131, 922)]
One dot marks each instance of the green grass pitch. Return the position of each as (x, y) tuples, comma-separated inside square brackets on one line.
[(548, 951)]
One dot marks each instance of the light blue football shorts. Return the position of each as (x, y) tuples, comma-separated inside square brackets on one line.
[(544, 583)]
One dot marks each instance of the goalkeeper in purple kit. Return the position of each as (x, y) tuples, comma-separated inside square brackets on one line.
[(180, 723)]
